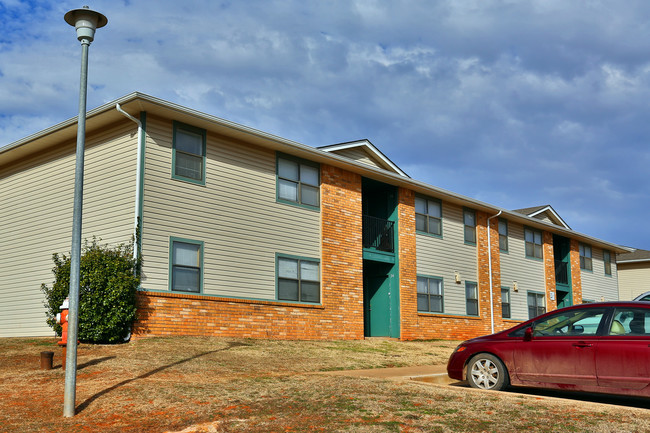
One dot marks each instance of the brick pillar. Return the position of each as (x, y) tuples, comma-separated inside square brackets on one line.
[(576, 276), (482, 258), (407, 265), (549, 271), (342, 249)]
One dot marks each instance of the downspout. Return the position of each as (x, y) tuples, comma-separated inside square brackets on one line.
[(490, 271), (138, 180)]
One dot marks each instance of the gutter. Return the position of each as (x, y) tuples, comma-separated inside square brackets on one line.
[(490, 271), (138, 182)]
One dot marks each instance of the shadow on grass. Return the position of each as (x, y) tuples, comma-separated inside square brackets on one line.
[(91, 399), (94, 362)]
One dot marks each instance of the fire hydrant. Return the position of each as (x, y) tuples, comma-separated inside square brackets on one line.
[(62, 318)]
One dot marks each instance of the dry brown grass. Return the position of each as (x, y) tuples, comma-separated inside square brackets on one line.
[(236, 385)]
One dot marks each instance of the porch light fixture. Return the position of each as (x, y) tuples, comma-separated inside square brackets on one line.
[(85, 21)]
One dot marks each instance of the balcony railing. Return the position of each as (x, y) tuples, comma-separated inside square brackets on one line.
[(378, 233), (561, 272)]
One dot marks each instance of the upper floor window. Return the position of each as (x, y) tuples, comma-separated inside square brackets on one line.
[(503, 235), (585, 258), (186, 264), (533, 240), (298, 279), (298, 181), (505, 302), (188, 153), (471, 298), (469, 221), (607, 259), (430, 294), (428, 216)]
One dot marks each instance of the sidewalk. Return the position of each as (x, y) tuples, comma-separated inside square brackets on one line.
[(425, 373)]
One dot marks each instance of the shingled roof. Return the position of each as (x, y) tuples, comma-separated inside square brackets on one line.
[(634, 256)]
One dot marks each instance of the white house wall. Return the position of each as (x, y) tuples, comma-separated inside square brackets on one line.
[(36, 213), (235, 215), (443, 257), (597, 286)]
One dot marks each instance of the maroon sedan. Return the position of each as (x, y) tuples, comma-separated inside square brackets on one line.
[(601, 347)]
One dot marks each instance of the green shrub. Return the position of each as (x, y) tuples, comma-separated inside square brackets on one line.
[(108, 280)]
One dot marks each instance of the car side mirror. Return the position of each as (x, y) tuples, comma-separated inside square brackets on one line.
[(528, 334)]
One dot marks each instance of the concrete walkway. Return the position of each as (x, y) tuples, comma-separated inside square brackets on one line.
[(425, 373)]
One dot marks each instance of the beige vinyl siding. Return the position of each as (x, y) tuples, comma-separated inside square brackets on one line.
[(633, 279), (36, 213), (442, 257), (358, 155), (528, 273), (597, 286), (235, 214)]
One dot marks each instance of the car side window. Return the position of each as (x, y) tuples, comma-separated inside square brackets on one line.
[(630, 321), (583, 321)]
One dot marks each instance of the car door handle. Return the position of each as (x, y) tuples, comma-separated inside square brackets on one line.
[(581, 344)]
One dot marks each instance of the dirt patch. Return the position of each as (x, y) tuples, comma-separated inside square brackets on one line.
[(238, 385)]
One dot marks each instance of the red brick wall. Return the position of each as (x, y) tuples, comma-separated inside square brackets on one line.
[(339, 317), (549, 270), (409, 320), (576, 276)]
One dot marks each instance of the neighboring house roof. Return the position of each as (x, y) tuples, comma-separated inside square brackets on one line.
[(633, 257), (134, 103), (365, 152), (540, 212)]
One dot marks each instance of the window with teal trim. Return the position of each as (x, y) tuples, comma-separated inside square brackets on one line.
[(585, 258), (536, 304), (469, 221), (298, 279), (505, 302), (471, 298), (189, 153), (430, 297), (607, 259), (428, 215), (503, 235), (298, 181), (533, 240), (186, 264)]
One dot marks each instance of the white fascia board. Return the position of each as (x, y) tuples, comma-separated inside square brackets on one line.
[(368, 146), (555, 214)]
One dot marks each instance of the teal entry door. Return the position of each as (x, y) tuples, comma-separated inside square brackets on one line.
[(381, 314)]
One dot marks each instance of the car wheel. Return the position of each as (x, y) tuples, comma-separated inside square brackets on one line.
[(486, 371)]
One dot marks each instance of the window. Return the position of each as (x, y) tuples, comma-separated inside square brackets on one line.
[(186, 258), (188, 153), (503, 235), (630, 321), (607, 260), (584, 321), (430, 294), (585, 258), (469, 219), (298, 182), (505, 302), (536, 304), (298, 279), (471, 296), (533, 240), (428, 216)]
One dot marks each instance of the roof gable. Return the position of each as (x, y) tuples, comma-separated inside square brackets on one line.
[(365, 152), (544, 213)]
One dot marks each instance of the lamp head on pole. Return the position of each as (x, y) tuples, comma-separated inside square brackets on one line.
[(86, 21)]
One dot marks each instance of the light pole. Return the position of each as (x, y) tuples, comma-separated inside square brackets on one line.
[(85, 21)]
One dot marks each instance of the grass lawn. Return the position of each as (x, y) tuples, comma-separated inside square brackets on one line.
[(240, 385)]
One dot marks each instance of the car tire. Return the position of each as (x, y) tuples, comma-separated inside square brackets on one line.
[(485, 371)]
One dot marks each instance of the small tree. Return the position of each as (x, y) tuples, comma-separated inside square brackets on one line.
[(108, 280)]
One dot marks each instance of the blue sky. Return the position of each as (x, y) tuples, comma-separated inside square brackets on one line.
[(515, 103)]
